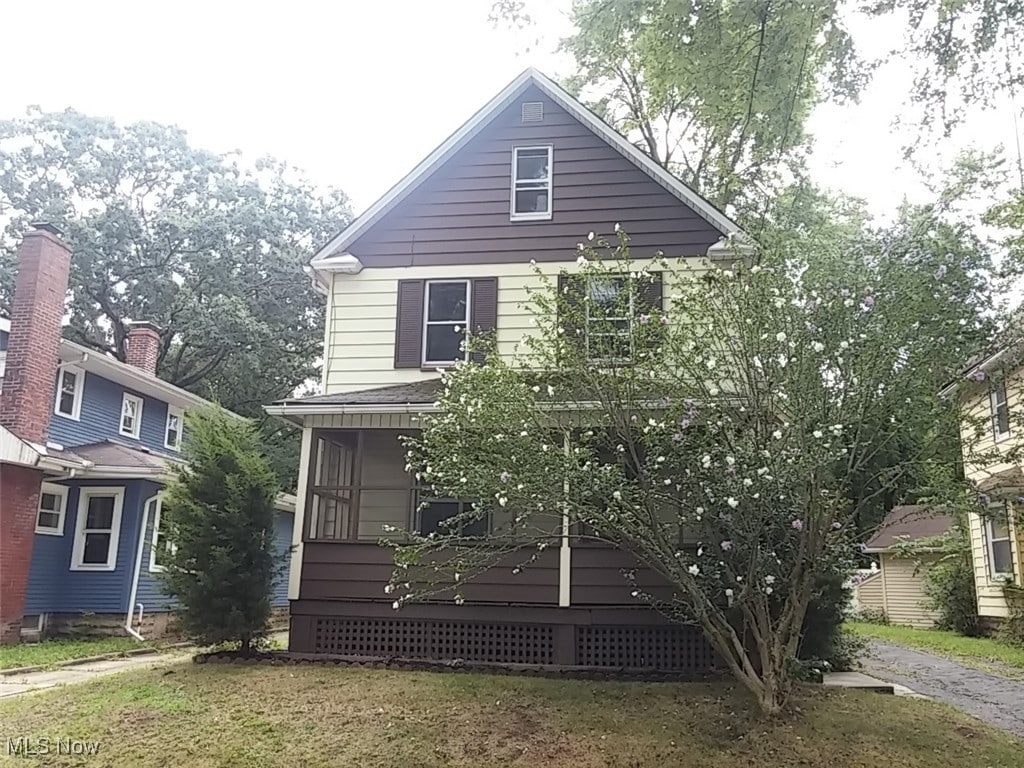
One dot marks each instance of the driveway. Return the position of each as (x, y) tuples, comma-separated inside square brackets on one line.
[(996, 700)]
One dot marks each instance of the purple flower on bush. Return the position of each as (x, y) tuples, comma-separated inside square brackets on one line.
[(868, 303), (798, 525), (644, 319), (726, 545), (663, 320), (505, 476), (978, 376), (984, 499), (677, 436), (940, 272)]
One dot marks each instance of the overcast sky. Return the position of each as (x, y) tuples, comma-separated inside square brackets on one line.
[(357, 93)]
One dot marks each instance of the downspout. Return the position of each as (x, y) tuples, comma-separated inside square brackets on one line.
[(135, 575), (565, 551)]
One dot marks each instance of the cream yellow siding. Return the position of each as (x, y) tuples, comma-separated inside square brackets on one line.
[(362, 312), (904, 592), (983, 459), (869, 593)]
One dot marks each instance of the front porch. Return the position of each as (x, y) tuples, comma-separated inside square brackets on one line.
[(571, 606)]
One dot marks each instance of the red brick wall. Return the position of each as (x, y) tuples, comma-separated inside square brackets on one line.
[(34, 344), (26, 404), (143, 346), (18, 504)]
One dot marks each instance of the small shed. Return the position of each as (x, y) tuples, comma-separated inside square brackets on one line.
[(897, 588)]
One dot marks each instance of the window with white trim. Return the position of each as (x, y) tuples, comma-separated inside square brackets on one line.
[(997, 535), (97, 529), (173, 428), (609, 313), (531, 183), (445, 317), (131, 416), (1000, 410), (70, 385), (161, 545), (53, 503)]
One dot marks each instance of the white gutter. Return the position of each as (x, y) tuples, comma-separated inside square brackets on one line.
[(138, 569), (984, 365)]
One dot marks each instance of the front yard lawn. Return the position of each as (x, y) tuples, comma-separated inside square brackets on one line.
[(211, 715), (49, 652), (944, 643)]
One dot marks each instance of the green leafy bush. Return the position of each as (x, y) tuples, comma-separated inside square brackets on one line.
[(949, 585)]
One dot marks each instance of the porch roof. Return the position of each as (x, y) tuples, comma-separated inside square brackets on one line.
[(108, 458), (415, 393)]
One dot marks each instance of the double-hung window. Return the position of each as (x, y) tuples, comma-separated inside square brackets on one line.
[(97, 529), (173, 429), (531, 183), (53, 502), (70, 385), (609, 312), (161, 546), (446, 315), (1000, 410), (997, 533), (131, 416)]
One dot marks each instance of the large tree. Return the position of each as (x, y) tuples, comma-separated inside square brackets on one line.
[(207, 248), (730, 442), (718, 91)]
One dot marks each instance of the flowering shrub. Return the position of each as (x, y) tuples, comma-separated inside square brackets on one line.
[(713, 438)]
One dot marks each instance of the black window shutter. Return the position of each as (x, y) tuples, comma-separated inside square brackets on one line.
[(649, 294), (570, 297), (484, 303), (409, 324)]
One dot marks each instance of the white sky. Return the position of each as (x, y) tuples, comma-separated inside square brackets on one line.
[(357, 93)]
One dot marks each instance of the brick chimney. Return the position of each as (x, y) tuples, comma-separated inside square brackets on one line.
[(26, 403), (142, 347)]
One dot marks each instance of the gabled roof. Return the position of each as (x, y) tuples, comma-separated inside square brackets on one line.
[(910, 522), (335, 250)]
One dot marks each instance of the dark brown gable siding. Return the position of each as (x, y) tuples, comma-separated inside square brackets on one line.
[(460, 215)]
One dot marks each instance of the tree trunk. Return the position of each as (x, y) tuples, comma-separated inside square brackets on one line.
[(246, 647)]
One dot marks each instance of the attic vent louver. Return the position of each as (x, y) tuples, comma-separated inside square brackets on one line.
[(533, 111)]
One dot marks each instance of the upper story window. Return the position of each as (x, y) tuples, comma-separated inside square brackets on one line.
[(131, 416), (1000, 555), (53, 502), (173, 429), (445, 321), (1000, 410), (609, 313), (70, 386), (531, 183)]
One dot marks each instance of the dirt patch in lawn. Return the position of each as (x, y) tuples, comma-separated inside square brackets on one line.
[(190, 715)]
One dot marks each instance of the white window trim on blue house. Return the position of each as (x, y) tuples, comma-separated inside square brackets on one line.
[(155, 542), (61, 493), (136, 427), (76, 402), (78, 550), (180, 414)]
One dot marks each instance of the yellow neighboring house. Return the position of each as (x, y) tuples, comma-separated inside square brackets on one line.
[(991, 428)]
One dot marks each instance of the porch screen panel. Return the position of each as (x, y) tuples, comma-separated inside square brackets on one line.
[(331, 506)]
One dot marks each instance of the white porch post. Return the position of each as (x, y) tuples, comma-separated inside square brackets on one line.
[(565, 552), (295, 573)]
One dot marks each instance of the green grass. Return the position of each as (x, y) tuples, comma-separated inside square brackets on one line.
[(211, 715), (970, 649), (49, 652)]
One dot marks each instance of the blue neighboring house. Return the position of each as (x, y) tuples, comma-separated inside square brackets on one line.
[(115, 431)]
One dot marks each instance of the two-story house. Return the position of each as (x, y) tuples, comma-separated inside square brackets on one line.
[(991, 428), (86, 445), (449, 247)]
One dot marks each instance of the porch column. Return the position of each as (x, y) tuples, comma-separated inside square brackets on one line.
[(299, 524), (565, 552)]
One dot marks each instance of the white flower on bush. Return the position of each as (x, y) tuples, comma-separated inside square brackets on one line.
[(747, 482), (780, 336), (706, 462), (817, 434), (694, 569), (732, 502), (817, 346), (769, 579), (617, 495)]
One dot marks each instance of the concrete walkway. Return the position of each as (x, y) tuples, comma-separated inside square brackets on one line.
[(15, 685), (990, 697)]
